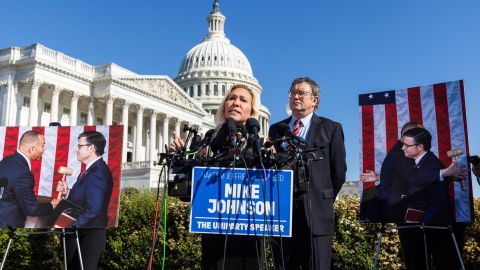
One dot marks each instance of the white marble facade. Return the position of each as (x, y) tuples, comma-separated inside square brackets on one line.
[(39, 85)]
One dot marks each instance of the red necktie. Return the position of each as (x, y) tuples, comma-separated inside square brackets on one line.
[(296, 127), (82, 173)]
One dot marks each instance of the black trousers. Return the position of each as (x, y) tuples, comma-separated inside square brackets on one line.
[(441, 249), (303, 250), (92, 245), (242, 252)]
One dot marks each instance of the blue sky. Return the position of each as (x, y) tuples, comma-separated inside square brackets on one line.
[(348, 47)]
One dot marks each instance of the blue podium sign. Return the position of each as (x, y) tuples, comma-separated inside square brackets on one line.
[(241, 201)]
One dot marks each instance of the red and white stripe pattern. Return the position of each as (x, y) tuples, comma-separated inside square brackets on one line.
[(60, 146), (440, 108)]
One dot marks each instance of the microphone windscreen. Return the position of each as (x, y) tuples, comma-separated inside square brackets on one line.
[(253, 124), (241, 128), (232, 126), (222, 137), (455, 152), (284, 129), (209, 134)]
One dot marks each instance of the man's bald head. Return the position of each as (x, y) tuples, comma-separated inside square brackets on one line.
[(32, 144), (410, 125), (30, 138)]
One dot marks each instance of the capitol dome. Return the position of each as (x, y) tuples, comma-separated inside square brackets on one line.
[(215, 54), (210, 68)]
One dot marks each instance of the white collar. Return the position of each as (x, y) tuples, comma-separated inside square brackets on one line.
[(305, 120), (417, 160), (28, 160), (91, 162)]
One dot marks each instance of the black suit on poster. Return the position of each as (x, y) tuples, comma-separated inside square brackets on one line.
[(389, 205), (92, 192), (313, 213), (18, 200)]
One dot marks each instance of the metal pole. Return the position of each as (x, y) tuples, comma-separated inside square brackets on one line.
[(6, 252), (78, 249), (456, 246), (64, 249), (378, 246)]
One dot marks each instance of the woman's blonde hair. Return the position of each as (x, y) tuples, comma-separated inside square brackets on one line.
[(220, 116)]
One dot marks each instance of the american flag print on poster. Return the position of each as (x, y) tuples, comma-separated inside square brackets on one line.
[(60, 145), (440, 108)]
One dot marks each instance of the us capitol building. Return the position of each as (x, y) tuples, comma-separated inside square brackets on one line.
[(39, 85)]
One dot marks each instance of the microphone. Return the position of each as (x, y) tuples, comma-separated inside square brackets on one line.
[(454, 153), (253, 127), (241, 131), (225, 136), (284, 129), (232, 131), (3, 186)]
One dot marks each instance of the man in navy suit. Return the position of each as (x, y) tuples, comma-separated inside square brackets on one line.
[(92, 192), (18, 200), (428, 191), (313, 215)]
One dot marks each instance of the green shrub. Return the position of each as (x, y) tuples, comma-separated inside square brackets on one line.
[(129, 245)]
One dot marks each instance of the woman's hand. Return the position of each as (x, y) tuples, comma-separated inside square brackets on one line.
[(176, 144)]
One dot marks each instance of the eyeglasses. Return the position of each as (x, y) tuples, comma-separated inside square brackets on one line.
[(80, 145), (409, 145), (300, 94)]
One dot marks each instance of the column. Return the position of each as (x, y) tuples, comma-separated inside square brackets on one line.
[(125, 106), (33, 112), (6, 105), (177, 126), (166, 119), (153, 133), (91, 111), (160, 143), (12, 112), (109, 110), (55, 98), (138, 143), (73, 108)]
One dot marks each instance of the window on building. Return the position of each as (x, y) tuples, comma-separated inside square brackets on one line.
[(26, 102), (66, 112), (199, 90), (47, 107), (99, 121), (191, 91), (215, 90), (223, 90), (83, 118), (214, 112), (130, 130), (207, 90)]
